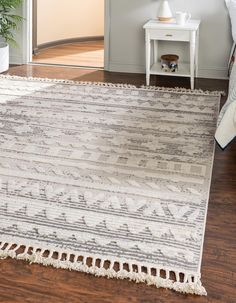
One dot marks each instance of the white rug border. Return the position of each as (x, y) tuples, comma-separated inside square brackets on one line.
[(208, 196)]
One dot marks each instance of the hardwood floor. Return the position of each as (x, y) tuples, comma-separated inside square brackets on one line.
[(21, 282), (90, 54)]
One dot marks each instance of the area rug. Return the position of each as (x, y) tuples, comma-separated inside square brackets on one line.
[(110, 180)]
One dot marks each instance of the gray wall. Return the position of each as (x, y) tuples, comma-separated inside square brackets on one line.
[(127, 53)]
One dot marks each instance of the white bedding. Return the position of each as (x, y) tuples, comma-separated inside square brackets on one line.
[(226, 130), (231, 5)]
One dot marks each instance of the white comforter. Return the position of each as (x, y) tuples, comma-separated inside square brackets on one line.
[(226, 130)]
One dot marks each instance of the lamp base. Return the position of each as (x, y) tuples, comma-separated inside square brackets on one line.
[(165, 19), (164, 13)]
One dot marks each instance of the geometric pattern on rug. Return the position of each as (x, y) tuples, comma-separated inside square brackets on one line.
[(111, 180)]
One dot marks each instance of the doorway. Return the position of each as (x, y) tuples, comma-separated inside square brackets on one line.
[(69, 32)]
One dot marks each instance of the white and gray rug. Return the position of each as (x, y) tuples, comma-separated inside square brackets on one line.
[(106, 179)]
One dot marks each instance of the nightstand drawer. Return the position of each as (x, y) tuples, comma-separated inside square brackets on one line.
[(165, 34)]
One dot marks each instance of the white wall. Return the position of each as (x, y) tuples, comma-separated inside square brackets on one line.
[(127, 52), (127, 49), (64, 19)]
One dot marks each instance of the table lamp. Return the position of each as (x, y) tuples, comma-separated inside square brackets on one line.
[(164, 13)]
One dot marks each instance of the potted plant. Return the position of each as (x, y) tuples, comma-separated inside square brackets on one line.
[(8, 24)]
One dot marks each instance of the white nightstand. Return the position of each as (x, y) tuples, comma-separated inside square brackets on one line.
[(155, 30)]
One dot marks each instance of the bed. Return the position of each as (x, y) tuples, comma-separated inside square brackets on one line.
[(226, 130)]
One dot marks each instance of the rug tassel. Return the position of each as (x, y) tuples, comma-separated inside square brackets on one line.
[(116, 85), (64, 81), (183, 90), (134, 272)]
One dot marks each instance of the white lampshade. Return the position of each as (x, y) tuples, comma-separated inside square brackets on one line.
[(165, 13)]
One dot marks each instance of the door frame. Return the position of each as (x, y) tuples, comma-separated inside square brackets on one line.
[(34, 27), (28, 6)]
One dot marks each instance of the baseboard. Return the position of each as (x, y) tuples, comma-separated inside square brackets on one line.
[(126, 68), (213, 73), (14, 59), (35, 51), (206, 72), (67, 41)]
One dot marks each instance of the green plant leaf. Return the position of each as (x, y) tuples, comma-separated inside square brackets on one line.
[(8, 20)]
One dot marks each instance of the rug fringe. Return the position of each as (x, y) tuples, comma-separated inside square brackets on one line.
[(184, 90), (184, 282), (64, 81), (118, 85)]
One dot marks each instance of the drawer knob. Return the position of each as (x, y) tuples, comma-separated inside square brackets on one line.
[(169, 35)]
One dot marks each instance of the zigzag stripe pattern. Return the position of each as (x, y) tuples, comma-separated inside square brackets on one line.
[(108, 170)]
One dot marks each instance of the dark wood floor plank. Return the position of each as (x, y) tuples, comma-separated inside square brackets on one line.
[(21, 282)]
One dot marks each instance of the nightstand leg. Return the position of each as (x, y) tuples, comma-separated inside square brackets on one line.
[(192, 82), (192, 57), (197, 55), (155, 50), (148, 58)]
